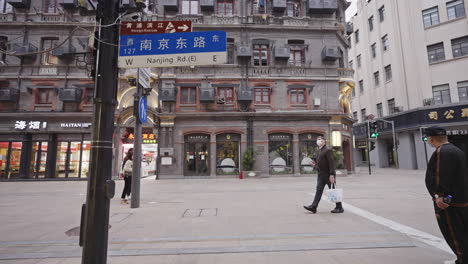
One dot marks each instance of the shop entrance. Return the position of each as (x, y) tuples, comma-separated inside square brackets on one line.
[(227, 154), (73, 159), (196, 160), (38, 160), (10, 155)]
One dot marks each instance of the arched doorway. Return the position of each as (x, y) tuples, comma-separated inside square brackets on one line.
[(227, 154)]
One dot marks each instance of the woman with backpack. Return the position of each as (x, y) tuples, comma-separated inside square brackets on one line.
[(127, 167)]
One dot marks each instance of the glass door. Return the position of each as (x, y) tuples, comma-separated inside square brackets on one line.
[(38, 159), (4, 157), (197, 159), (14, 159), (62, 158), (85, 159)]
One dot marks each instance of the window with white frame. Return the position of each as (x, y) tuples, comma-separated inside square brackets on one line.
[(431, 16), (227, 93), (455, 9), (441, 94), (225, 7), (460, 46), (262, 95), (51, 6), (297, 96), (463, 91), (293, 8), (47, 57), (385, 42), (436, 52), (190, 7), (261, 54)]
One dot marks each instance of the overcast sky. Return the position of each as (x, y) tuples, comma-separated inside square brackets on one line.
[(351, 10)]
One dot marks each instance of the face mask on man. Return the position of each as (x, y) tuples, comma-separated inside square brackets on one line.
[(320, 142)]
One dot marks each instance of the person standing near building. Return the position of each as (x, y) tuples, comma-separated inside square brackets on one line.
[(447, 183), (326, 175), (127, 167)]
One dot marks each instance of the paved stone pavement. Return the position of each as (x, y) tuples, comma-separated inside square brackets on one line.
[(388, 219)]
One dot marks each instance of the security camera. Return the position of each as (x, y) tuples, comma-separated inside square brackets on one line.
[(135, 17)]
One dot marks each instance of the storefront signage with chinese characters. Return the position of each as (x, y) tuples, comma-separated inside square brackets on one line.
[(148, 138), (75, 125), (457, 132), (33, 125)]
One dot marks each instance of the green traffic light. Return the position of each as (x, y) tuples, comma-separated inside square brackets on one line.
[(425, 138), (374, 135)]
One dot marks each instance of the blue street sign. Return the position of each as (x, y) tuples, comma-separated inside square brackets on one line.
[(143, 109), (172, 49)]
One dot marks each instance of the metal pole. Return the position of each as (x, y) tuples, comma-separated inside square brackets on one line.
[(425, 152), (395, 148), (368, 147), (101, 188), (136, 173)]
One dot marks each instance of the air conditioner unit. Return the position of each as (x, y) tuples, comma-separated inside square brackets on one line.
[(323, 6), (330, 53), (206, 95), (316, 101), (245, 95), (279, 5), (168, 92), (170, 5), (68, 4), (244, 51), (428, 101), (64, 51), (22, 4), (282, 53), (132, 5), (207, 5), (9, 95), (70, 95), (24, 50)]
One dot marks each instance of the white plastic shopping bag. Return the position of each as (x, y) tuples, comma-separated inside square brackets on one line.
[(335, 195)]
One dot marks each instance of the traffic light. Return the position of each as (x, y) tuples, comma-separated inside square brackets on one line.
[(373, 129), (424, 137)]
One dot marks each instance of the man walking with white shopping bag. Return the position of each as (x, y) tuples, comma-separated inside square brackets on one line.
[(326, 176)]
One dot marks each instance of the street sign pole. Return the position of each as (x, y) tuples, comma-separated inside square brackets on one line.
[(368, 146), (136, 173), (94, 229)]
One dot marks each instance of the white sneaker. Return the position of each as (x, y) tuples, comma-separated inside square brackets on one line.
[(129, 197)]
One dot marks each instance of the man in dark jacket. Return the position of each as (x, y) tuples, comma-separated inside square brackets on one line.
[(326, 175), (447, 183)]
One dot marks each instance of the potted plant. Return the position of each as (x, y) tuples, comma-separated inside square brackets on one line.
[(248, 162), (338, 157)]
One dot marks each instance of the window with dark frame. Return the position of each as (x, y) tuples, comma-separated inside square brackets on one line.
[(388, 73), (230, 49), (363, 115), (351, 64), (374, 50), (431, 16), (371, 23), (356, 36), (441, 94), (379, 110), (353, 93), (190, 7), (455, 9), (227, 93), (460, 46), (382, 13), (385, 43), (355, 117), (47, 57), (262, 95), (297, 96), (463, 91), (261, 54), (358, 58), (293, 8), (225, 7), (436, 52), (391, 106), (3, 47), (376, 79), (361, 86), (188, 95)]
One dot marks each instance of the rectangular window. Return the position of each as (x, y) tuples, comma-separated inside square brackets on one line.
[(225, 8), (349, 41), (47, 57), (382, 13), (351, 64), (262, 95), (353, 93), (355, 117), (391, 106), (356, 36), (190, 7), (230, 53), (463, 91), (44, 96), (431, 16), (379, 110), (436, 52), (296, 57), (3, 46), (455, 9), (293, 8), (297, 96), (460, 46), (388, 73), (5, 7), (361, 86), (371, 23), (441, 94), (227, 93), (363, 115), (358, 58), (374, 50), (376, 78), (385, 43), (261, 55), (188, 95), (50, 6)]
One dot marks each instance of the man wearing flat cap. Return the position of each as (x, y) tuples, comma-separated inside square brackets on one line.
[(326, 176), (447, 183)]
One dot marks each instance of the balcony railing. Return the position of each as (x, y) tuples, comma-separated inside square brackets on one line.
[(345, 73)]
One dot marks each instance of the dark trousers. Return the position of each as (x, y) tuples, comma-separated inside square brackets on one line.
[(323, 180), (453, 223), (127, 187)]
